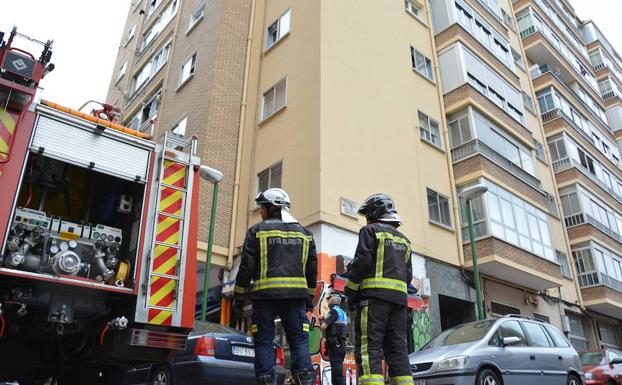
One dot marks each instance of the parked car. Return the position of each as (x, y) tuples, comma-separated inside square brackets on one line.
[(513, 350), (602, 367), (214, 355)]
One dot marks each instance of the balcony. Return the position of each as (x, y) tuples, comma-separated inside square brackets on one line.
[(477, 147), (565, 164), (560, 114), (541, 76), (504, 261), (581, 226), (540, 49), (601, 293)]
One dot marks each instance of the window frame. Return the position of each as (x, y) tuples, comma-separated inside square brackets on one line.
[(275, 109), (269, 169), (427, 63), (279, 36), (430, 123), (193, 20), (130, 34), (185, 125), (408, 4), (122, 71), (438, 203), (192, 60)]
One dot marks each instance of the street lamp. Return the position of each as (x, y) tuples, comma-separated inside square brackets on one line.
[(213, 176), (468, 194)]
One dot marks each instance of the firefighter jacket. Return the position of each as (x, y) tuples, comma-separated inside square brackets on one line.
[(381, 267), (280, 260)]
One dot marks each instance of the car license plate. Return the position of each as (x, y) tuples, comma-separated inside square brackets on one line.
[(242, 351), (418, 382)]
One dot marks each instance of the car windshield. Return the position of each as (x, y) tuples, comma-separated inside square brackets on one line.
[(210, 327), (461, 334), (592, 358)]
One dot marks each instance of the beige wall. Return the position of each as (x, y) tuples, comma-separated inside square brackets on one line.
[(370, 138)]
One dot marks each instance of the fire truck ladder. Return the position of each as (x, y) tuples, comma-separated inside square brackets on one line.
[(168, 252)]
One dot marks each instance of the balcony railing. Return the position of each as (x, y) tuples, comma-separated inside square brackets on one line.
[(599, 66), (543, 70), (476, 146), (566, 163), (582, 218), (559, 113), (596, 278)]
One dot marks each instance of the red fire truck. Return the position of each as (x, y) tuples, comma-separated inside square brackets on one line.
[(98, 234)]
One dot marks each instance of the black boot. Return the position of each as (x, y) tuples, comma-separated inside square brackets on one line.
[(304, 378), (266, 380)]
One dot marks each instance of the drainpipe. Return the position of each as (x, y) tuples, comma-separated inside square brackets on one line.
[(238, 161)]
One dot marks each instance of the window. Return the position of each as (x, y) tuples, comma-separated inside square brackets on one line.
[(513, 329), (152, 67), (542, 317), (515, 221), (278, 29), (586, 161), (130, 34), (558, 149), (122, 70), (429, 131), (270, 177), (460, 132), (518, 59), (500, 309), (275, 98), (546, 103), (159, 25), (578, 333), (153, 4), (507, 19), (180, 128), (539, 150), (414, 9), (438, 208), (562, 259), (608, 336), (551, 205), (197, 15), (421, 64), (537, 335), (528, 102), (187, 70)]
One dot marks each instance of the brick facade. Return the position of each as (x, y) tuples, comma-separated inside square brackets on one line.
[(504, 251)]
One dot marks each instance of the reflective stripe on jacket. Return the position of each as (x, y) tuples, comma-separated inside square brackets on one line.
[(280, 260), (381, 267)]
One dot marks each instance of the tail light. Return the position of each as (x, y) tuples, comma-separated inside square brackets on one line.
[(280, 356), (205, 346)]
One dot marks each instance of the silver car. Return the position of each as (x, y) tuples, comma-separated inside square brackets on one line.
[(513, 350)]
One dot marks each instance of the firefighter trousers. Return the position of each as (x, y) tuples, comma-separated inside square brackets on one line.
[(381, 326), (296, 325)]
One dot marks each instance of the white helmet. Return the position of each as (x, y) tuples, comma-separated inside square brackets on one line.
[(277, 197)]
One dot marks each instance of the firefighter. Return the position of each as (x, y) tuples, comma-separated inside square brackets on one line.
[(377, 289), (279, 257), (335, 328)]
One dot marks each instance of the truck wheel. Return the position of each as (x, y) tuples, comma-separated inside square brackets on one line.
[(161, 376)]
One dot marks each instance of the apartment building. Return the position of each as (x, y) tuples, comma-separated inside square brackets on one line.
[(337, 111), (180, 68), (421, 99), (575, 74), (496, 139)]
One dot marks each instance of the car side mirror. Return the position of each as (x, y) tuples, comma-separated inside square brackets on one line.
[(511, 341), (616, 361)]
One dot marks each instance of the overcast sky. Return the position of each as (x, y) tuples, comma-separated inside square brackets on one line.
[(87, 33), (86, 36)]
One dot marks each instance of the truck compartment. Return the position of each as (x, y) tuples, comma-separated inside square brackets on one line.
[(75, 222)]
